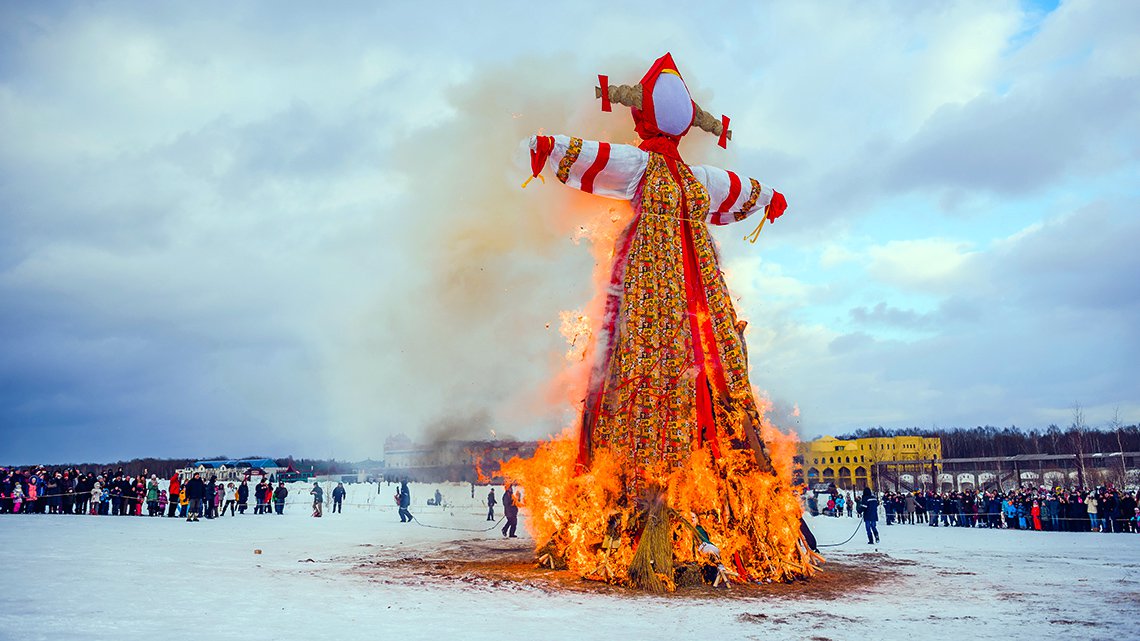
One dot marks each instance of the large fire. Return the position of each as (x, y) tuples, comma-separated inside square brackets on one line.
[(710, 519)]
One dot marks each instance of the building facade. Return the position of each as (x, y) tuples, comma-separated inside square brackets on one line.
[(851, 464)]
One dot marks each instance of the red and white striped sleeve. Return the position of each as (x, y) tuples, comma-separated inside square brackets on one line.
[(733, 198), (600, 168)]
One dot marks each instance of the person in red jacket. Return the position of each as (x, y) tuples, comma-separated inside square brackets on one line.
[(173, 491), (1036, 512)]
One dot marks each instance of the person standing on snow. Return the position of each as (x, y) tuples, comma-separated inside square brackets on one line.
[(318, 499), (869, 506), (491, 502), (243, 496), (338, 497), (405, 501), (172, 492), (511, 511), (279, 497), (195, 492)]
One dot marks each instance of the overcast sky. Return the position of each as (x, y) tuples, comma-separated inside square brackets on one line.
[(267, 228)]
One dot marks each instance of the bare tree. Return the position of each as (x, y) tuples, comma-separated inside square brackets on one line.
[(1118, 427), (1077, 430)]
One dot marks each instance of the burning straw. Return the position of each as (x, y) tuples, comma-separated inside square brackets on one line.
[(598, 524)]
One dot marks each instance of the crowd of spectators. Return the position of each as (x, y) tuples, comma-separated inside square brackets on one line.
[(73, 491), (1104, 509)]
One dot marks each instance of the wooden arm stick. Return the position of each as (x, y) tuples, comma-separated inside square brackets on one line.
[(631, 97)]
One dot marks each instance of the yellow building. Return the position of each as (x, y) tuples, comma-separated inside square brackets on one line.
[(850, 464)]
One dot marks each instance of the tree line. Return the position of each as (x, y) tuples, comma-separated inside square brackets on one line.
[(165, 467), (959, 442)]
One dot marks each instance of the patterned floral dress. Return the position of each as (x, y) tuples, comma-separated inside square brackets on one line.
[(671, 374)]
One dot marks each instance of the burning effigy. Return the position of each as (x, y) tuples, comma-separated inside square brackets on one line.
[(674, 476)]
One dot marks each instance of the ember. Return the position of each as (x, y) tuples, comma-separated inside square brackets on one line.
[(674, 471)]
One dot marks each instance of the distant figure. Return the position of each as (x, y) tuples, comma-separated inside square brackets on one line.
[(870, 509), (338, 497), (318, 499), (438, 498), (195, 492), (491, 502), (404, 500), (173, 491), (230, 496), (243, 496), (511, 511), (279, 497)]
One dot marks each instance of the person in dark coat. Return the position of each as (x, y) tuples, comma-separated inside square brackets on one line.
[(338, 497), (405, 501), (869, 506), (243, 496), (211, 490), (491, 503), (318, 499), (511, 511), (195, 492), (279, 497)]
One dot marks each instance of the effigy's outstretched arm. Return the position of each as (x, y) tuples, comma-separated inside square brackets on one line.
[(733, 198), (600, 168)]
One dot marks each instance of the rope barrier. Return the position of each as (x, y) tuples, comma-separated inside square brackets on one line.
[(457, 529), (832, 545)]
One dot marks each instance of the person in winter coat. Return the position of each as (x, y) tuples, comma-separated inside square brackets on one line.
[(318, 500), (152, 496), (338, 497), (1036, 512), (259, 494), (96, 496), (1093, 506), (17, 498), (183, 503), (173, 491), (511, 511), (230, 498), (491, 502), (279, 497), (869, 506), (404, 498), (195, 493), (219, 497), (208, 497), (162, 501), (243, 496)]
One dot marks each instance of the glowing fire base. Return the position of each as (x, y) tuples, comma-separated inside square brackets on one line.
[(607, 525)]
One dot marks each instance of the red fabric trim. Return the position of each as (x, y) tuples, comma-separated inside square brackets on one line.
[(645, 119), (597, 385), (661, 144), (723, 142), (604, 81), (733, 193), (776, 207), (699, 325), (538, 155), (596, 168)]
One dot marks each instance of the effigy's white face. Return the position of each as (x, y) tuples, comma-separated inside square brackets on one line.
[(672, 105)]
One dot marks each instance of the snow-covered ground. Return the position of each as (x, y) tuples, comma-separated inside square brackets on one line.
[(364, 575)]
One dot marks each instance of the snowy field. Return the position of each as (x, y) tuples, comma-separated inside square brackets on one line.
[(364, 575)]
